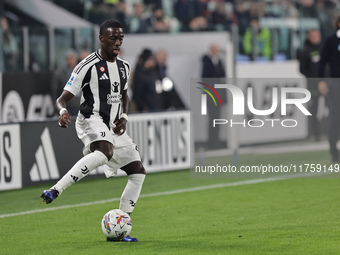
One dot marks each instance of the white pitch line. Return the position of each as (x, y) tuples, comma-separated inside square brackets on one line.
[(164, 193)]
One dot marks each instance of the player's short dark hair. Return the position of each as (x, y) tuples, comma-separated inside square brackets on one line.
[(109, 23)]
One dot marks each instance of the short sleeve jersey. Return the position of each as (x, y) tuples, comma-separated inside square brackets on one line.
[(102, 84)]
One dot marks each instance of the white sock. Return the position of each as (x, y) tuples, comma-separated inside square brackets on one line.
[(131, 192), (81, 169)]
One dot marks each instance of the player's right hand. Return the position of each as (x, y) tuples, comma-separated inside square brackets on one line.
[(64, 119)]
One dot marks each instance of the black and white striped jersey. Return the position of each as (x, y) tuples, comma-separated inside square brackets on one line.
[(102, 84)]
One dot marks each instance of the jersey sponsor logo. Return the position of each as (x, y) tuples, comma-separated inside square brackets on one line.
[(115, 86), (104, 77), (70, 81), (102, 69), (123, 72), (112, 99), (46, 167)]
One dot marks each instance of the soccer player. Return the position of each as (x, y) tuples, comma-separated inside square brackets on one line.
[(102, 77)]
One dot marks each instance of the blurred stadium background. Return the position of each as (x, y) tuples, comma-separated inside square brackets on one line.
[(37, 35)]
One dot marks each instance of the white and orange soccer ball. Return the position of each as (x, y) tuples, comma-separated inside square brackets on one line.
[(116, 224)]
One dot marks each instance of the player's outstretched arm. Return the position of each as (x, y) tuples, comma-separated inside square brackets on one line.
[(60, 104)]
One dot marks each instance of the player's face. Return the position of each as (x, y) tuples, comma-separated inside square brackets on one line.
[(111, 40)]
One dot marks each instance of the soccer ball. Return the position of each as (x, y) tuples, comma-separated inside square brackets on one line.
[(116, 224)]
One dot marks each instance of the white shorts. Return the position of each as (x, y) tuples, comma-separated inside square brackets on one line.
[(93, 129)]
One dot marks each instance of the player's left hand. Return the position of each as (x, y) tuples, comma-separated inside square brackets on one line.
[(120, 127), (64, 119)]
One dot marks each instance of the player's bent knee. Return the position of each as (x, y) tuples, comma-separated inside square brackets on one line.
[(105, 147), (109, 154), (101, 157), (138, 168), (141, 170), (135, 167)]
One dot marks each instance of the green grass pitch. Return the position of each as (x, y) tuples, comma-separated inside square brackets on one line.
[(292, 216)]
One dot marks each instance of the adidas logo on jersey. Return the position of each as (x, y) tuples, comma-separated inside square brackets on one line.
[(104, 77)]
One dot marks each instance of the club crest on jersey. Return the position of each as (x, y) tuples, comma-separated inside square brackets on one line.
[(102, 69), (123, 72), (115, 87)]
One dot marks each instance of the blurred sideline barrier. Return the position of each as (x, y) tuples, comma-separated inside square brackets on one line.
[(34, 153)]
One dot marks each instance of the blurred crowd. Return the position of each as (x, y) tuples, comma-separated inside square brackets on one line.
[(256, 39), (143, 16), (151, 87)]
